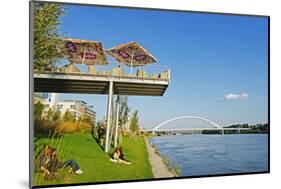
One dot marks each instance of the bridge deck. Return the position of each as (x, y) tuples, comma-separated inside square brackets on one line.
[(193, 129), (98, 84)]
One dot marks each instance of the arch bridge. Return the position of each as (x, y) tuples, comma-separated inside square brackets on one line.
[(215, 125)]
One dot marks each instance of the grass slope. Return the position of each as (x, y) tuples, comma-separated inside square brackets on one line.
[(95, 162)]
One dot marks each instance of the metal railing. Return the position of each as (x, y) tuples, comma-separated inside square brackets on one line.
[(117, 70)]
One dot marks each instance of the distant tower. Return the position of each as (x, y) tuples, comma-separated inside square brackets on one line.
[(54, 100)]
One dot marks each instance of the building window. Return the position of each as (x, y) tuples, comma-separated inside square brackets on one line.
[(73, 106)]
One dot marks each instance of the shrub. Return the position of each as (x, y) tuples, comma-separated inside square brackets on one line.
[(68, 117), (71, 127), (67, 127)]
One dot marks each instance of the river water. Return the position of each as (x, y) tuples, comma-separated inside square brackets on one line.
[(215, 154)]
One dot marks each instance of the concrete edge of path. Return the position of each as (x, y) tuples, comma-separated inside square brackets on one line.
[(159, 168)]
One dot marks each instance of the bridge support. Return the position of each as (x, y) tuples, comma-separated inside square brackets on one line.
[(108, 116), (116, 121)]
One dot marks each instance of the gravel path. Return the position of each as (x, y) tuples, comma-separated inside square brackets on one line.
[(159, 168)]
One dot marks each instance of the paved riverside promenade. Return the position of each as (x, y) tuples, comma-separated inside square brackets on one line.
[(159, 169)]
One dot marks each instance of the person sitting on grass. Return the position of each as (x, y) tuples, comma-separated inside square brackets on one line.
[(55, 164), (48, 164), (118, 156), (44, 160), (122, 154)]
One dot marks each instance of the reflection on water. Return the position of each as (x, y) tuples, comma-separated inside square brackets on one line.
[(215, 154)]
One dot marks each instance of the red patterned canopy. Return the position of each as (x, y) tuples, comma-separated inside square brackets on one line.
[(131, 54), (84, 52)]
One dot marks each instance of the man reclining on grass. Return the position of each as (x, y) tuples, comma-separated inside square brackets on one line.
[(49, 164), (55, 164), (118, 156)]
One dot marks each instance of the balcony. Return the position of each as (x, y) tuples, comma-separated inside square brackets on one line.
[(151, 80)]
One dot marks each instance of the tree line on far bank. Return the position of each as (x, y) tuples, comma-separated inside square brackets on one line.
[(254, 129)]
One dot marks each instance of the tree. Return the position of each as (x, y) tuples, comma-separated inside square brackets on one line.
[(49, 114), (56, 116), (46, 35), (38, 110), (123, 115), (68, 117), (124, 110), (100, 123), (87, 119), (134, 126)]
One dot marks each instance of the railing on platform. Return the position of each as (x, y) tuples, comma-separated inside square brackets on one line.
[(151, 72)]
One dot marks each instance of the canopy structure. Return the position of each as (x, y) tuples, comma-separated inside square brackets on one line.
[(131, 54), (90, 53), (84, 51)]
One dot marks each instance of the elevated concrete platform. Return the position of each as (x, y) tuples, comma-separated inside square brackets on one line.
[(98, 84)]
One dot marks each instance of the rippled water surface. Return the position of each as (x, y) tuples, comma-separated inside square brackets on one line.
[(215, 154)]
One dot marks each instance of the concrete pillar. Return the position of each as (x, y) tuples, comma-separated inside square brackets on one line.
[(116, 121), (108, 115)]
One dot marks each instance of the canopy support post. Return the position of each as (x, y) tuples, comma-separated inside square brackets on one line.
[(108, 116), (116, 121), (112, 128), (131, 68)]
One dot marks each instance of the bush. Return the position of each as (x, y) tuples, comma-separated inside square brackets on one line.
[(71, 127), (67, 127), (53, 121)]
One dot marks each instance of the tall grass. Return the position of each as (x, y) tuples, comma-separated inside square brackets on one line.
[(49, 129), (55, 140)]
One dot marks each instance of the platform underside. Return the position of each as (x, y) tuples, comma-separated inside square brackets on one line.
[(90, 84)]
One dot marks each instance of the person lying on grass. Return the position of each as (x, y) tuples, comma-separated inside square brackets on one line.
[(49, 164), (55, 164), (118, 156)]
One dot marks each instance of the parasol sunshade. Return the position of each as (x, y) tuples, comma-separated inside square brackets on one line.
[(84, 51), (132, 54)]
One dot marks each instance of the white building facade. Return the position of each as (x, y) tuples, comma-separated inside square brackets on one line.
[(78, 108)]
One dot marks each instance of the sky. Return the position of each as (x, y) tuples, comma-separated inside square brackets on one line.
[(219, 63)]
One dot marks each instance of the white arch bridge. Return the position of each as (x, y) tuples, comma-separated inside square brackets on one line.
[(215, 125)]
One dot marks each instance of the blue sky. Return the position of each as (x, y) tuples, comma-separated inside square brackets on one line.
[(209, 56)]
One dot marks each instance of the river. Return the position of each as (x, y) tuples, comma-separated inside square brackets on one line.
[(215, 154)]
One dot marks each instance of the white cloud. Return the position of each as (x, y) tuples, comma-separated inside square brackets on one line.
[(231, 96)]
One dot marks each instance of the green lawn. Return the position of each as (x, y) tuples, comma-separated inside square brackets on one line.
[(95, 162)]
